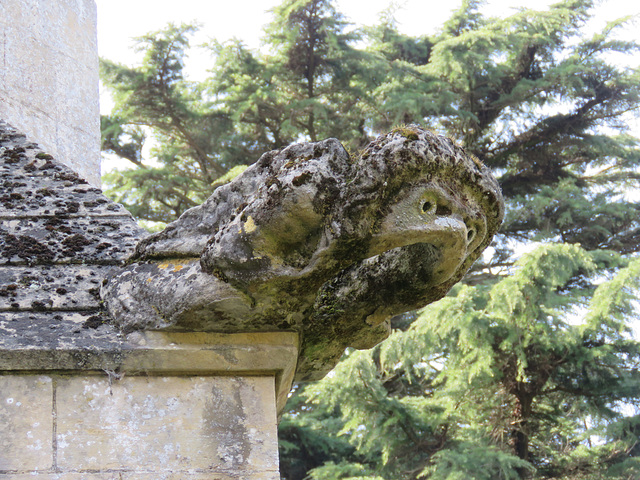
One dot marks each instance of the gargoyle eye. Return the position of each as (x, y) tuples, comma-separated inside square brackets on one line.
[(428, 206), (471, 233), (475, 230)]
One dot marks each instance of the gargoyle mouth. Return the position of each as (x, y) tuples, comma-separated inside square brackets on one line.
[(447, 236)]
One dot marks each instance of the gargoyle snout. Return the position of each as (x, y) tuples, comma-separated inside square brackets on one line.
[(471, 225), (449, 222)]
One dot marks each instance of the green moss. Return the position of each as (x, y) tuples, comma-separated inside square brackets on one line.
[(410, 132), (476, 160), (296, 161)]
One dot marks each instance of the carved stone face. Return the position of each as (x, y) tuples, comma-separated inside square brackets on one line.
[(308, 240), (430, 213)]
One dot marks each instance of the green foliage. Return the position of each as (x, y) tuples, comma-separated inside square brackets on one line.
[(343, 471), (527, 375), (195, 143), (307, 438), (474, 461), (319, 69)]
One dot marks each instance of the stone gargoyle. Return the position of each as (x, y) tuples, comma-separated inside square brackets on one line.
[(310, 240)]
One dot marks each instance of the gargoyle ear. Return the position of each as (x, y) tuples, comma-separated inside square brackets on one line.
[(257, 246), (230, 254), (279, 230)]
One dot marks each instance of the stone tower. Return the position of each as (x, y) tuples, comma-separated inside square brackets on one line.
[(49, 78)]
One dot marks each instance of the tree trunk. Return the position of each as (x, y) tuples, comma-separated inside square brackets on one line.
[(519, 436)]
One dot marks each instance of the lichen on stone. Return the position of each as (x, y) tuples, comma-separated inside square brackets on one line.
[(310, 240), (59, 237)]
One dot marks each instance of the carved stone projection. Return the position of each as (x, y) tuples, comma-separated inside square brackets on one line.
[(310, 240)]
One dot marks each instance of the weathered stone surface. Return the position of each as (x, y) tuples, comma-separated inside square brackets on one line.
[(309, 240), (116, 426), (26, 422), (56, 239), (28, 197), (59, 237), (48, 215), (59, 332), (49, 78), (42, 288), (167, 424), (124, 475)]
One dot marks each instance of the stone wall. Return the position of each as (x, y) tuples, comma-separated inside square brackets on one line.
[(93, 427), (49, 78), (79, 399), (159, 407)]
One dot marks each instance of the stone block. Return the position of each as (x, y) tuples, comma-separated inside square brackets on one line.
[(26, 406), (27, 77), (118, 238), (190, 406), (61, 287), (219, 424), (67, 26), (121, 475)]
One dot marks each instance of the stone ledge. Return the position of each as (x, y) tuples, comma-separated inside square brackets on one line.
[(152, 405), (124, 475), (167, 353)]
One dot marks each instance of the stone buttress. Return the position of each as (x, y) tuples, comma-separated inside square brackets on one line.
[(78, 400)]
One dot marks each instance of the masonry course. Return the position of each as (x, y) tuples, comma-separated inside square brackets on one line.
[(78, 399)]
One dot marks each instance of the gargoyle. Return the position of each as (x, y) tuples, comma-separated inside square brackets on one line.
[(307, 239)]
